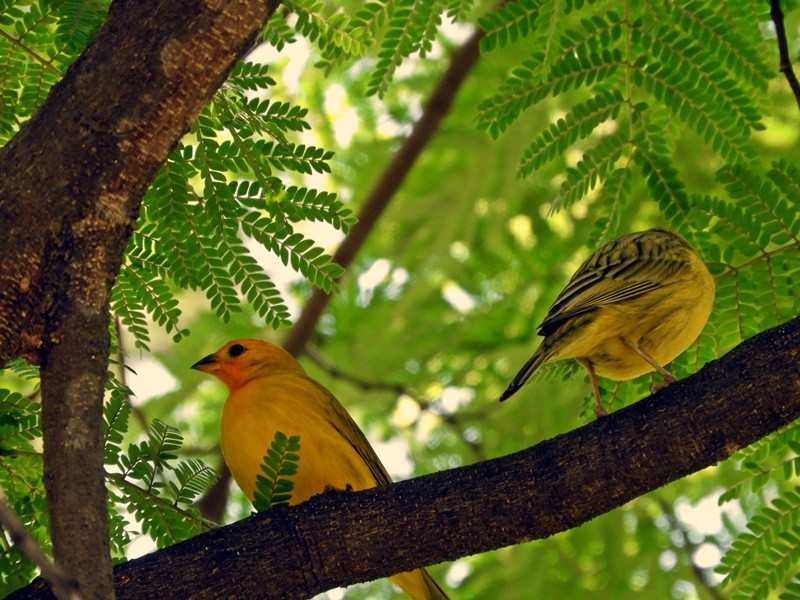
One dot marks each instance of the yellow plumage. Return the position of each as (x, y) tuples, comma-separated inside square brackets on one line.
[(270, 392), (629, 309)]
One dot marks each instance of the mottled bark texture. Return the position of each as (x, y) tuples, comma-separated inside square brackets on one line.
[(73, 179), (339, 539)]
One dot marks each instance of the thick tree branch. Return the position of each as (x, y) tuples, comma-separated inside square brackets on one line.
[(73, 178), (339, 539)]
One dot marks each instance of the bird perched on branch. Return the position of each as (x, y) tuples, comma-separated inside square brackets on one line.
[(629, 309), (270, 392)]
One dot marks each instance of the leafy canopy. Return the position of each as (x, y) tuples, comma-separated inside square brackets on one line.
[(584, 120)]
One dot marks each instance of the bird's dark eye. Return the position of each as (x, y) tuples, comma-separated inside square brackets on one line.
[(236, 350)]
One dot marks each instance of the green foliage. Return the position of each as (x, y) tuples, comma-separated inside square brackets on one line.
[(78, 21), (766, 556), (410, 28), (602, 118), (393, 31), (763, 558), (334, 33), (281, 461), (149, 486), (20, 482), (578, 125), (509, 23), (212, 197), (758, 267), (149, 480), (19, 420), (26, 75), (652, 57)]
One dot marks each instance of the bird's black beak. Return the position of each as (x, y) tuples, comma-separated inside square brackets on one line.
[(207, 360)]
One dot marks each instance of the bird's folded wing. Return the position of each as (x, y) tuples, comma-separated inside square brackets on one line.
[(596, 285), (349, 430)]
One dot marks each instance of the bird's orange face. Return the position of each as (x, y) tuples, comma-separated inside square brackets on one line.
[(240, 361)]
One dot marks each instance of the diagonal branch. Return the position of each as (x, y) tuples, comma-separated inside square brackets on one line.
[(64, 586), (436, 108), (340, 539)]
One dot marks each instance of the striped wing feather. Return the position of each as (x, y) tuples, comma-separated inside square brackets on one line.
[(620, 271)]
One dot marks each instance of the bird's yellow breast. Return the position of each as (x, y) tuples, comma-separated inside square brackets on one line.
[(663, 322), (292, 405)]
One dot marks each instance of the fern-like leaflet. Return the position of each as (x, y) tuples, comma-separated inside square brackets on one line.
[(274, 485)]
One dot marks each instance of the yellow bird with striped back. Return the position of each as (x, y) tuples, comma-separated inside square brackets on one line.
[(632, 307), (271, 392)]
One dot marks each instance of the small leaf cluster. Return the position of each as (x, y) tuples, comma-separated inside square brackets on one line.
[(33, 58), (763, 558), (220, 192), (274, 485), (757, 267), (21, 483), (149, 481), (391, 31), (150, 488)]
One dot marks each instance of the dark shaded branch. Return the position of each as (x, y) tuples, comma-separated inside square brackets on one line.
[(340, 539), (783, 49), (212, 504), (390, 180)]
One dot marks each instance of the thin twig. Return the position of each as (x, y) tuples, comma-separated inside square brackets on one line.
[(123, 378), (362, 384), (783, 48), (64, 587), (455, 421)]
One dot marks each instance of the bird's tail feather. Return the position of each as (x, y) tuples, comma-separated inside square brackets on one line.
[(528, 369), (435, 592), (419, 585)]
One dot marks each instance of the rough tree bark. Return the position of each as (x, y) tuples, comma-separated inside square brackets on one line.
[(340, 539), (73, 178)]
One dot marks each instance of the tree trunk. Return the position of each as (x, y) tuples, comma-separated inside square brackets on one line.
[(73, 179)]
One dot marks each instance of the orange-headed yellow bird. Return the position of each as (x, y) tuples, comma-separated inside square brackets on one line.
[(270, 392), (631, 308)]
